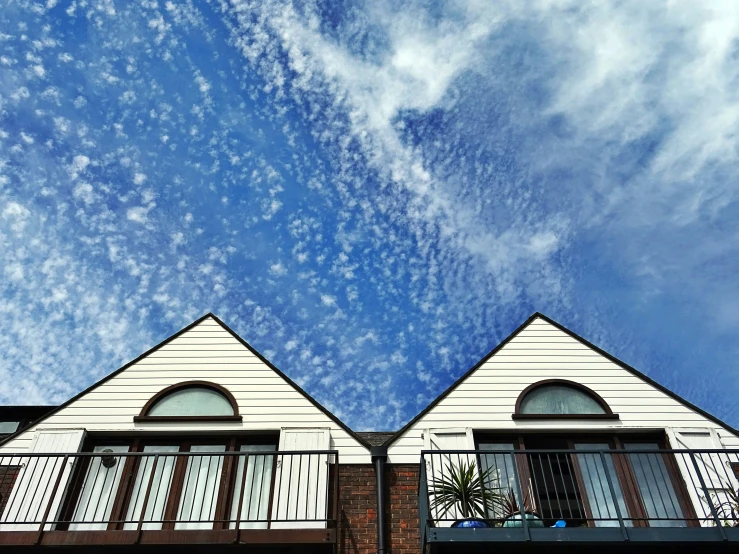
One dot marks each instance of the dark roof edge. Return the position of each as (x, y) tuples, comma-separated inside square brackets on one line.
[(636, 373), (168, 340), (294, 385), (456, 383), (108, 377), (580, 339)]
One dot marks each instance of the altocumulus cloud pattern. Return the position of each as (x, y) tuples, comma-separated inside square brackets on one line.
[(372, 194)]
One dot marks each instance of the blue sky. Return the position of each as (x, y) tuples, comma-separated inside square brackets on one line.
[(372, 196)]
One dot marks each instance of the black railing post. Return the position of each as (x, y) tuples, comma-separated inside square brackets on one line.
[(423, 502), (521, 499), (612, 489), (714, 513)]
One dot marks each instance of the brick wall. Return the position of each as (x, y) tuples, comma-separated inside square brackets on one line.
[(8, 475), (359, 509), (402, 509)]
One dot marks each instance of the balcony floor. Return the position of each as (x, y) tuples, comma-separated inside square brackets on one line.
[(582, 541), (191, 541)]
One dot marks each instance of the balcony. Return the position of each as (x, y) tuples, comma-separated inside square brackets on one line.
[(580, 499), (261, 499)]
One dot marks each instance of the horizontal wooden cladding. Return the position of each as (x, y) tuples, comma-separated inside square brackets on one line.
[(168, 537)]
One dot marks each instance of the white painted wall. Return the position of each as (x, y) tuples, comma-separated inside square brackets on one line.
[(206, 352), (486, 399)]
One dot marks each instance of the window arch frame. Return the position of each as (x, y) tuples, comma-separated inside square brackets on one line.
[(608, 413), (144, 417)]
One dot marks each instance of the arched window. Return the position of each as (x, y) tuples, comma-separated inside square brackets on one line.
[(191, 401), (560, 399)]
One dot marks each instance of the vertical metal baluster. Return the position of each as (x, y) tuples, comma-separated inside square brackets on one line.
[(696, 489), (649, 458), (315, 513), (307, 486), (51, 498), (573, 482), (433, 477), (36, 490), (280, 460), (624, 532), (524, 519), (252, 489), (241, 492), (714, 513), (216, 488), (146, 496), (289, 486), (92, 491), (536, 486), (158, 490), (554, 484), (586, 465)]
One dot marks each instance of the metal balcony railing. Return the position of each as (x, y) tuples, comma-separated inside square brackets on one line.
[(155, 491), (521, 491)]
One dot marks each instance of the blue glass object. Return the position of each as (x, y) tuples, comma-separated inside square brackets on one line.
[(515, 521), (467, 523), (560, 523)]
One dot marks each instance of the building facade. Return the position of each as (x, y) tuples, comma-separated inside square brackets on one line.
[(201, 443)]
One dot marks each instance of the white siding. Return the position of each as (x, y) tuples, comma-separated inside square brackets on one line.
[(207, 352), (486, 399)]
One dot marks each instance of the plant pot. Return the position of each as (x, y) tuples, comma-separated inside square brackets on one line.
[(471, 523), (515, 520)]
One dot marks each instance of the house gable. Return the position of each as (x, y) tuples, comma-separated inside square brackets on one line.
[(485, 397), (206, 350)]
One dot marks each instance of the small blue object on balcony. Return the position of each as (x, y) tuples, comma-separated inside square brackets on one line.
[(468, 523), (560, 523)]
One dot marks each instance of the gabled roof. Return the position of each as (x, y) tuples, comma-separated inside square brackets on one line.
[(269, 364), (583, 341)]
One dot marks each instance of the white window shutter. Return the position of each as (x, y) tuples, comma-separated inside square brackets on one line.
[(31, 493), (301, 481), (717, 475), (437, 465)]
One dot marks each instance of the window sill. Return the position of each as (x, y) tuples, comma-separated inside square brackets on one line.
[(566, 416), (187, 419)]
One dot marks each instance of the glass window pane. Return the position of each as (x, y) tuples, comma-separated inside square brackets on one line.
[(98, 491), (597, 491), (499, 470), (559, 399), (256, 492), (160, 485), (8, 427), (655, 487), (195, 401), (200, 491)]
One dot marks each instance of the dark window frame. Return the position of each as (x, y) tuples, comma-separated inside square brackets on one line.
[(608, 415), (136, 443), (626, 477), (143, 417)]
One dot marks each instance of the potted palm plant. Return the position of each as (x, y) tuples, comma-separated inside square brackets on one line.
[(461, 490), (728, 510)]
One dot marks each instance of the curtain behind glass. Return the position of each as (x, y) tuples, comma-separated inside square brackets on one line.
[(98, 492), (200, 489), (160, 486), (257, 487)]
